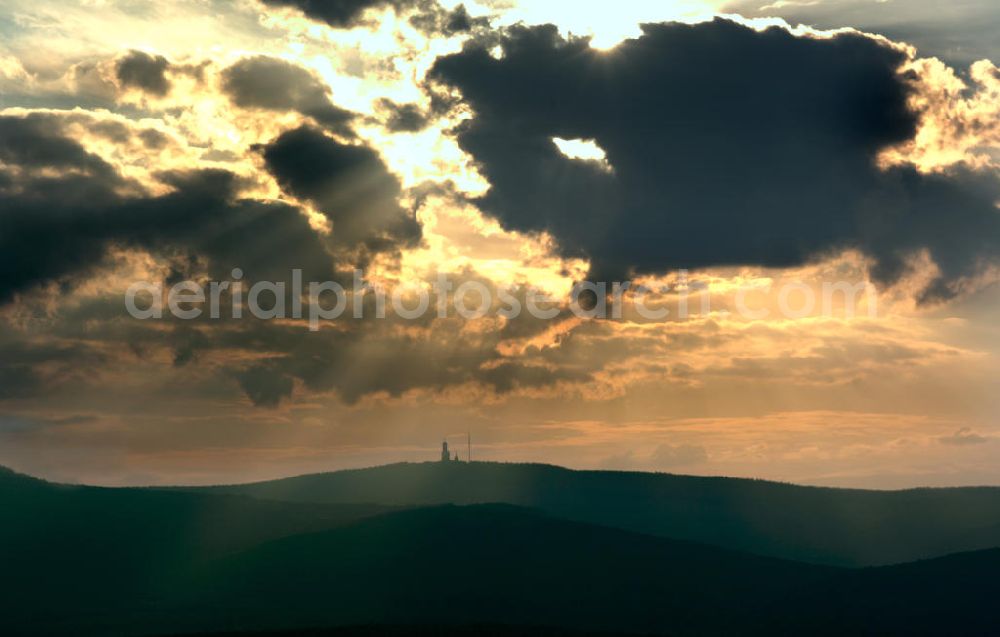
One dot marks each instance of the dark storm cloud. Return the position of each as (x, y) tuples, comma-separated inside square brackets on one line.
[(403, 118), (374, 357), (265, 239), (29, 366), (61, 207), (336, 13), (36, 141), (508, 376), (427, 15), (434, 19), (727, 146), (265, 386), (144, 71), (348, 183), (459, 20), (276, 85), (188, 341), (18, 381), (153, 139), (267, 360)]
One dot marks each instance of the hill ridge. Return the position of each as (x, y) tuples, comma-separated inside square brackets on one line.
[(560, 468), (844, 527), (512, 464)]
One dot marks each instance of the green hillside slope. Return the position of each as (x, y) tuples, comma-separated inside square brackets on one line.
[(87, 561), (74, 551), (498, 564), (847, 527)]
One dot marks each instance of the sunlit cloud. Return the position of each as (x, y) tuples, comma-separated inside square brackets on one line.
[(861, 381)]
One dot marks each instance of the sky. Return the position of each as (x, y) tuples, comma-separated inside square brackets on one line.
[(740, 164)]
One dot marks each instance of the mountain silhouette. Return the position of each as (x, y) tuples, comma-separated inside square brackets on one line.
[(842, 527), (73, 550), (104, 561), (499, 563)]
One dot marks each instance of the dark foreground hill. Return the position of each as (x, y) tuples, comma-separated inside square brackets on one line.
[(846, 527), (498, 564), (72, 551), (425, 630), (83, 561)]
